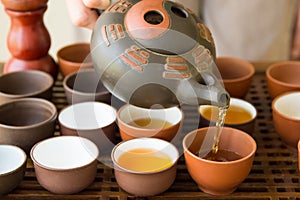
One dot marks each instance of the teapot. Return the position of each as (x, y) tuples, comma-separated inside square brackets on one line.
[(156, 53)]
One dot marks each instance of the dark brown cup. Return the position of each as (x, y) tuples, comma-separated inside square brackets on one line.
[(25, 83), (24, 122)]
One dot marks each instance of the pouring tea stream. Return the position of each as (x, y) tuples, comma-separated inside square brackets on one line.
[(156, 54)]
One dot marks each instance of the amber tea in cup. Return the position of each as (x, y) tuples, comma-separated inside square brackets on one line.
[(222, 155), (150, 123)]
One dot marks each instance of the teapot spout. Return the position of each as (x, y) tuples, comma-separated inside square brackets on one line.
[(194, 93)]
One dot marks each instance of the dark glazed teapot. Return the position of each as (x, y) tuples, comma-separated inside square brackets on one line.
[(156, 52)]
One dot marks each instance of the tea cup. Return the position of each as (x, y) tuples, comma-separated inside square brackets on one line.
[(135, 122), (219, 177), (149, 181)]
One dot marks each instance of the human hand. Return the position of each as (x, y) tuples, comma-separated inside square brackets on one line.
[(82, 12)]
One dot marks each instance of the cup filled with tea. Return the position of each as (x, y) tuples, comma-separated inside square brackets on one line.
[(240, 114), (218, 172), (135, 122), (145, 166)]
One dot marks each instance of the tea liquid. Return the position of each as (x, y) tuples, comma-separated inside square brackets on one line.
[(144, 160), (222, 156), (150, 123)]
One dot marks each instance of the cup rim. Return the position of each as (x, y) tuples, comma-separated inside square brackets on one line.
[(249, 105), (63, 169), (76, 92), (29, 71), (118, 166), (50, 106), (19, 151), (279, 65), (245, 77), (80, 104), (277, 98), (186, 149), (146, 129)]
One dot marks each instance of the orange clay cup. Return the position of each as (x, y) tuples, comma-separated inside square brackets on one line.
[(283, 77), (286, 118), (215, 177), (236, 74)]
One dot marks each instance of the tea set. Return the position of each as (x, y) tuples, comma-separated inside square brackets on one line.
[(135, 59)]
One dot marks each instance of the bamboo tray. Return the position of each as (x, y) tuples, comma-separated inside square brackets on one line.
[(274, 174)]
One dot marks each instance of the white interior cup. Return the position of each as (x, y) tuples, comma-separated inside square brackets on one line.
[(87, 116), (145, 143), (236, 102), (11, 158), (288, 105), (64, 152), (130, 113)]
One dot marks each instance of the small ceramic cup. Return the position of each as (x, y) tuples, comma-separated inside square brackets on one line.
[(85, 85), (286, 117), (148, 183), (65, 164), (93, 120), (216, 177), (241, 115), (73, 57), (25, 83), (236, 75), (13, 166), (283, 77), (135, 122), (24, 122)]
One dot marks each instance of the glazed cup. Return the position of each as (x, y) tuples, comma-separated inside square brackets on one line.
[(13, 166), (145, 183), (128, 113), (215, 177), (65, 164), (25, 83), (286, 117), (73, 57), (247, 125), (85, 85), (236, 74), (93, 120), (283, 77), (24, 122)]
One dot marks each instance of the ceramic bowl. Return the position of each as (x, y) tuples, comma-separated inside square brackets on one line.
[(85, 85), (131, 125), (25, 83), (65, 164), (93, 120), (283, 77), (286, 117), (12, 170), (73, 57), (216, 177), (148, 183), (24, 122), (236, 74), (241, 115)]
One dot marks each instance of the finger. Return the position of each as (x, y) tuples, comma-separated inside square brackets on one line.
[(99, 4), (81, 15)]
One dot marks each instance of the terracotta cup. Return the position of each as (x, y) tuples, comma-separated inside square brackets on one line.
[(168, 127), (286, 117), (283, 77), (65, 164), (25, 83), (236, 75), (93, 120), (73, 57), (24, 122), (13, 165), (84, 85), (148, 183), (241, 115), (216, 177)]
